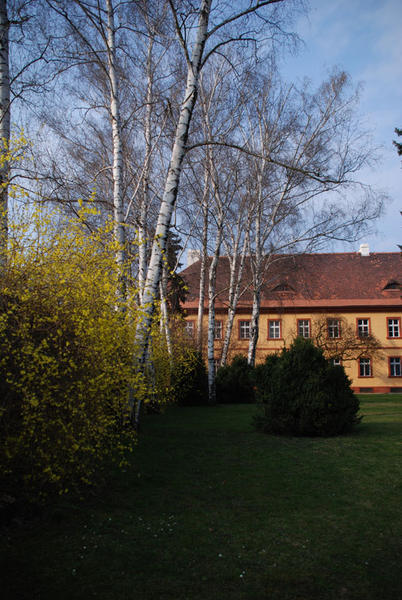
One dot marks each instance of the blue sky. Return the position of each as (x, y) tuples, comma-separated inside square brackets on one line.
[(363, 38)]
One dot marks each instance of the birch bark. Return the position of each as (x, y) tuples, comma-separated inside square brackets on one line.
[(118, 213), (143, 217), (256, 264), (4, 126), (164, 311), (204, 262), (172, 182), (236, 274), (211, 311)]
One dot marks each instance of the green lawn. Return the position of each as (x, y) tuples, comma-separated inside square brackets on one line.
[(213, 510)]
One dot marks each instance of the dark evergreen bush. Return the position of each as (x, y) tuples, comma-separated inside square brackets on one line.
[(302, 394), (190, 381), (235, 382)]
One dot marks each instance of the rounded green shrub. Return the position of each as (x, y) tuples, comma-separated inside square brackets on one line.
[(235, 382), (301, 393)]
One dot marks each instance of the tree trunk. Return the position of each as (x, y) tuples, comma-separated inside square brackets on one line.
[(119, 226), (4, 128), (211, 312), (143, 217), (164, 311), (257, 282), (255, 325), (170, 191), (234, 294), (204, 262), (172, 183)]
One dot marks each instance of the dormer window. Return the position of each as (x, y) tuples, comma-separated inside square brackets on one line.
[(392, 285), (283, 287)]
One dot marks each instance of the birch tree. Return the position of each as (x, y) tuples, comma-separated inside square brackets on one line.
[(200, 36), (119, 230), (92, 26), (4, 125), (218, 116), (307, 150)]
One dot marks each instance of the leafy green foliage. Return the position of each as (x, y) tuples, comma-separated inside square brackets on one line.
[(176, 286), (302, 394), (235, 383)]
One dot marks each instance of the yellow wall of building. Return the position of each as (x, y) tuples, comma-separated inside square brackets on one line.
[(390, 347)]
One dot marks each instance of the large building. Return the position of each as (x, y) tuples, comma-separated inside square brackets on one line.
[(351, 303)]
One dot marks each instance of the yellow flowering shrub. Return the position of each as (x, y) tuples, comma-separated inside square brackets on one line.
[(180, 377), (66, 354)]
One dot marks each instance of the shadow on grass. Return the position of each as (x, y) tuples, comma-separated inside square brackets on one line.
[(214, 510)]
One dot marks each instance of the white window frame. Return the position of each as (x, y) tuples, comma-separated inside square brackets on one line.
[(218, 331), (365, 369), (244, 330), (303, 328), (393, 328), (334, 328), (274, 329), (395, 365), (336, 362), (363, 327)]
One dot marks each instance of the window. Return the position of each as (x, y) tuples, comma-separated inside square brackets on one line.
[(334, 328), (394, 328), (274, 329), (217, 364), (218, 330), (190, 328), (365, 367), (303, 328), (363, 327), (244, 330), (395, 367), (336, 362)]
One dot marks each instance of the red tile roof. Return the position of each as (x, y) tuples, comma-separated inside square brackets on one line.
[(320, 280)]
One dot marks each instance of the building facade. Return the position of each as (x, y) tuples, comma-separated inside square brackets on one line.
[(348, 303)]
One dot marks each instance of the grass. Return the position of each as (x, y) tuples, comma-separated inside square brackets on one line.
[(213, 510)]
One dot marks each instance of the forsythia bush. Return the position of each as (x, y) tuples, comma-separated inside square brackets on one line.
[(66, 355)]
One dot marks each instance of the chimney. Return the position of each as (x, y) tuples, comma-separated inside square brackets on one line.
[(364, 250), (193, 256)]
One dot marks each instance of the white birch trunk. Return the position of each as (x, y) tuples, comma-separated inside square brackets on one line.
[(234, 295), (255, 323), (4, 127), (170, 194), (165, 313), (119, 227), (143, 218), (204, 263), (172, 183), (257, 282), (211, 312)]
